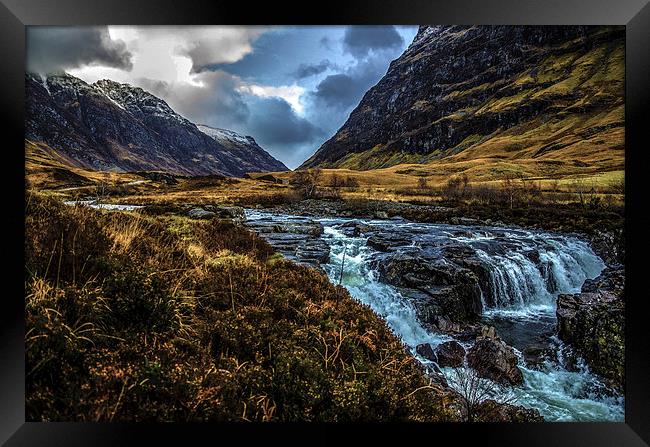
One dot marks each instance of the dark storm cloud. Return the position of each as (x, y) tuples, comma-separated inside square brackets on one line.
[(339, 90), (306, 70), (285, 135), (359, 41), (274, 122), (51, 48), (216, 103), (342, 90)]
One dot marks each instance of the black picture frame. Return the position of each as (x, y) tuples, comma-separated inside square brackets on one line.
[(634, 14)]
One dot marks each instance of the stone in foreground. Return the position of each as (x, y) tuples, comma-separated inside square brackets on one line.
[(493, 359)]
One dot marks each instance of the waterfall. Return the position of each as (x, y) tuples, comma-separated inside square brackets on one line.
[(526, 270), (363, 284), (554, 265)]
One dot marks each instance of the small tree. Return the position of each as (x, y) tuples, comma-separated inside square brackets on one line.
[(351, 182), (451, 189), (464, 181), (101, 189), (423, 183), (308, 181), (511, 190), (580, 188)]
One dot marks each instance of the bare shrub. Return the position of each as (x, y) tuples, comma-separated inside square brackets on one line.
[(308, 181), (336, 181), (351, 182), (452, 189), (474, 391), (617, 186)]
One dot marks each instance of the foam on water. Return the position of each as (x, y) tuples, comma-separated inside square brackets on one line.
[(363, 284)]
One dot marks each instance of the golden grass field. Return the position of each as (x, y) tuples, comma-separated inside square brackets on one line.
[(46, 171)]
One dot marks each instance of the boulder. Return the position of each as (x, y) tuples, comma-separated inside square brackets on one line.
[(426, 351), (200, 213), (360, 228), (298, 241), (314, 229), (378, 243), (593, 323), (231, 212), (494, 360), (537, 354), (436, 286), (609, 245), (443, 324), (450, 353)]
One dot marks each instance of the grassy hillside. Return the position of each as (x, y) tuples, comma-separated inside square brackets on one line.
[(560, 114), (139, 318)]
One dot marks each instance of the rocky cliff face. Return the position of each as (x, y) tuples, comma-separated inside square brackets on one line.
[(593, 322), (112, 126), (551, 93)]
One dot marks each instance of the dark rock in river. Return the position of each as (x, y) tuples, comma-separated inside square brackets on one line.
[(435, 285), (593, 322), (610, 246), (378, 243), (231, 212), (354, 228), (426, 351), (494, 360), (297, 240), (200, 213), (442, 323), (210, 211), (536, 355), (450, 353)]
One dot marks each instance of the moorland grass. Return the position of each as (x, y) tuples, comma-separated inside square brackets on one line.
[(159, 318)]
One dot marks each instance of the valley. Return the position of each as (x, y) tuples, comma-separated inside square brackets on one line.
[(461, 234)]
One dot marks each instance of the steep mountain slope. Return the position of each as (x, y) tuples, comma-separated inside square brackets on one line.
[(112, 126), (530, 99), (244, 148)]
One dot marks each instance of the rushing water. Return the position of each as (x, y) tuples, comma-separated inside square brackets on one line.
[(527, 269)]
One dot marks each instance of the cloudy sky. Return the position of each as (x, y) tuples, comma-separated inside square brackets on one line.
[(290, 88)]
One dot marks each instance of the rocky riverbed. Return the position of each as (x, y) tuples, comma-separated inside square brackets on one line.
[(470, 296), (539, 314)]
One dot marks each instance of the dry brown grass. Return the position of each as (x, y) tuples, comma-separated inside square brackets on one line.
[(483, 165)]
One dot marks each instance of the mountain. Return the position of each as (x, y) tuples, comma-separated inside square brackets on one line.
[(113, 126), (253, 157), (535, 99)]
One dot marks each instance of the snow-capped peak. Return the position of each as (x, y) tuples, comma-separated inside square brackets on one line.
[(224, 134)]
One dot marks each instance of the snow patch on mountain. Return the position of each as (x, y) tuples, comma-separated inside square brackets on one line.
[(224, 134)]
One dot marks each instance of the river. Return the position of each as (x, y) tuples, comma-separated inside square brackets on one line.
[(527, 270)]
